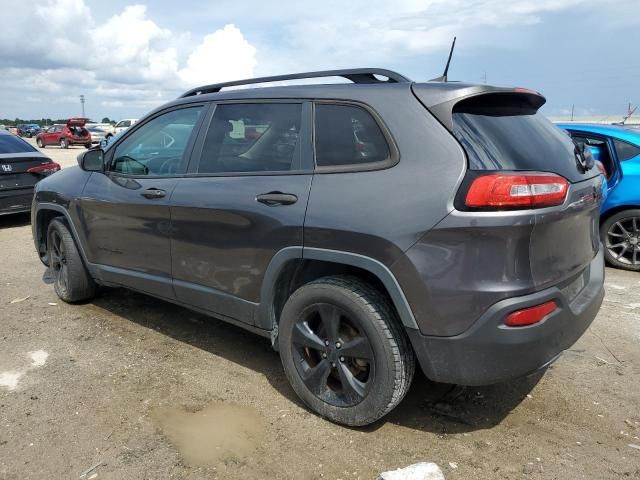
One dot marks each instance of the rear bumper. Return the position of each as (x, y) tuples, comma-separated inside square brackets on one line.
[(15, 201), (489, 352)]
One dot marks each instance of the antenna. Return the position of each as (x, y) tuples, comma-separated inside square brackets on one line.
[(443, 78), (630, 111)]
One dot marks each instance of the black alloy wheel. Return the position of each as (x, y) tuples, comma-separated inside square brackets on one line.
[(332, 355)]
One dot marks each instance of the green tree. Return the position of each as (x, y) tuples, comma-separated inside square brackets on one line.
[(106, 120)]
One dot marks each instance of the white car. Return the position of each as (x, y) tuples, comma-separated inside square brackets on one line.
[(124, 124)]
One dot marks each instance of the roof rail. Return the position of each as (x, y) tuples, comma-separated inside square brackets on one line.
[(356, 75)]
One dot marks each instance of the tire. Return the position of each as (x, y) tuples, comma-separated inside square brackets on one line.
[(40, 143), (87, 146), (620, 235), (28, 135), (64, 143), (72, 282), (350, 389)]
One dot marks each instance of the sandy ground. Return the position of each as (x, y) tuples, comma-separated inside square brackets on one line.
[(129, 387)]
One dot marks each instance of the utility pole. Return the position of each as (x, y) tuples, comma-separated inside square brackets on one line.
[(572, 108), (82, 103), (484, 78)]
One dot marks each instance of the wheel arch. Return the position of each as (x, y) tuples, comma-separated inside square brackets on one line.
[(604, 216), (293, 267), (44, 214)]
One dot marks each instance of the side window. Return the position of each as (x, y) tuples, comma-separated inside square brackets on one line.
[(348, 135), (252, 137), (158, 147), (624, 150)]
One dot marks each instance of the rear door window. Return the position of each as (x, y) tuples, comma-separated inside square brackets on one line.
[(625, 150), (253, 137), (501, 132), (348, 136)]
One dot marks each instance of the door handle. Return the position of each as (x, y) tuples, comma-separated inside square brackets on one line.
[(276, 198), (152, 193)]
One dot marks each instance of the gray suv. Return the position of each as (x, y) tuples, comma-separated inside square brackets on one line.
[(358, 226)]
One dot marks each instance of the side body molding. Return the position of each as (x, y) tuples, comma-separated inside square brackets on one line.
[(264, 314)]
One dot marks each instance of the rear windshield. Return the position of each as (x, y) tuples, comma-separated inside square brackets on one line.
[(514, 137), (13, 144)]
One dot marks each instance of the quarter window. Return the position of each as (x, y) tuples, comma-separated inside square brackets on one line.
[(624, 150), (347, 135), (260, 137), (157, 147)]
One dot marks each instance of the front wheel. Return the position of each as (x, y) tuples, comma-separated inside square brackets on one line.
[(64, 143), (40, 143), (72, 281), (344, 351), (620, 234)]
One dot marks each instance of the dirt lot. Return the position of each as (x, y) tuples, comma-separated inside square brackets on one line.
[(139, 389)]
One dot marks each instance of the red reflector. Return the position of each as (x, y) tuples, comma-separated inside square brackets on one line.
[(45, 169), (529, 316), (512, 190)]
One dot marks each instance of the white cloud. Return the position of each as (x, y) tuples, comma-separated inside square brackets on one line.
[(129, 61), (127, 57), (222, 55)]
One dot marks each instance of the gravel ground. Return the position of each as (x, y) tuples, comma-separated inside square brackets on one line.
[(129, 387)]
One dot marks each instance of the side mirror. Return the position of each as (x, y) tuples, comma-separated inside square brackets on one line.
[(92, 160)]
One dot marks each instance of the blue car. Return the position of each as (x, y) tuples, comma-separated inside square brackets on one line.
[(618, 149)]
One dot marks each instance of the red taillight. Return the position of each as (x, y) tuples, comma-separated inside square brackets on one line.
[(513, 190), (45, 169), (529, 316)]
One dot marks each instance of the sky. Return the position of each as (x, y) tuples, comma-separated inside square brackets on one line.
[(127, 58)]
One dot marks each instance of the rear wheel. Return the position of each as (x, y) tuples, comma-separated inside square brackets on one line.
[(40, 143), (64, 143), (87, 145), (72, 282), (344, 351), (620, 235)]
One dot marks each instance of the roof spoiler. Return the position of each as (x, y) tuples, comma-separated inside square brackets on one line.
[(442, 102), (356, 75)]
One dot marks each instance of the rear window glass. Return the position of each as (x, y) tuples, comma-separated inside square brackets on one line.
[(13, 144), (260, 137), (624, 150), (348, 135), (512, 142)]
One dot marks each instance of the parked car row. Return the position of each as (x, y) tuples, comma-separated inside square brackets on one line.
[(255, 206)]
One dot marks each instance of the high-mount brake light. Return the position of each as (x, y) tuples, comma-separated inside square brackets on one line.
[(517, 190)]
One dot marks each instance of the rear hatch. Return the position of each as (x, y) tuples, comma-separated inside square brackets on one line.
[(521, 166)]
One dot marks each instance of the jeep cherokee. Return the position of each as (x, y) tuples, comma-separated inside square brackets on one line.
[(358, 226)]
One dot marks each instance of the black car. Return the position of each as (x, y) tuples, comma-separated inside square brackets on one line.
[(358, 226), (21, 167)]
